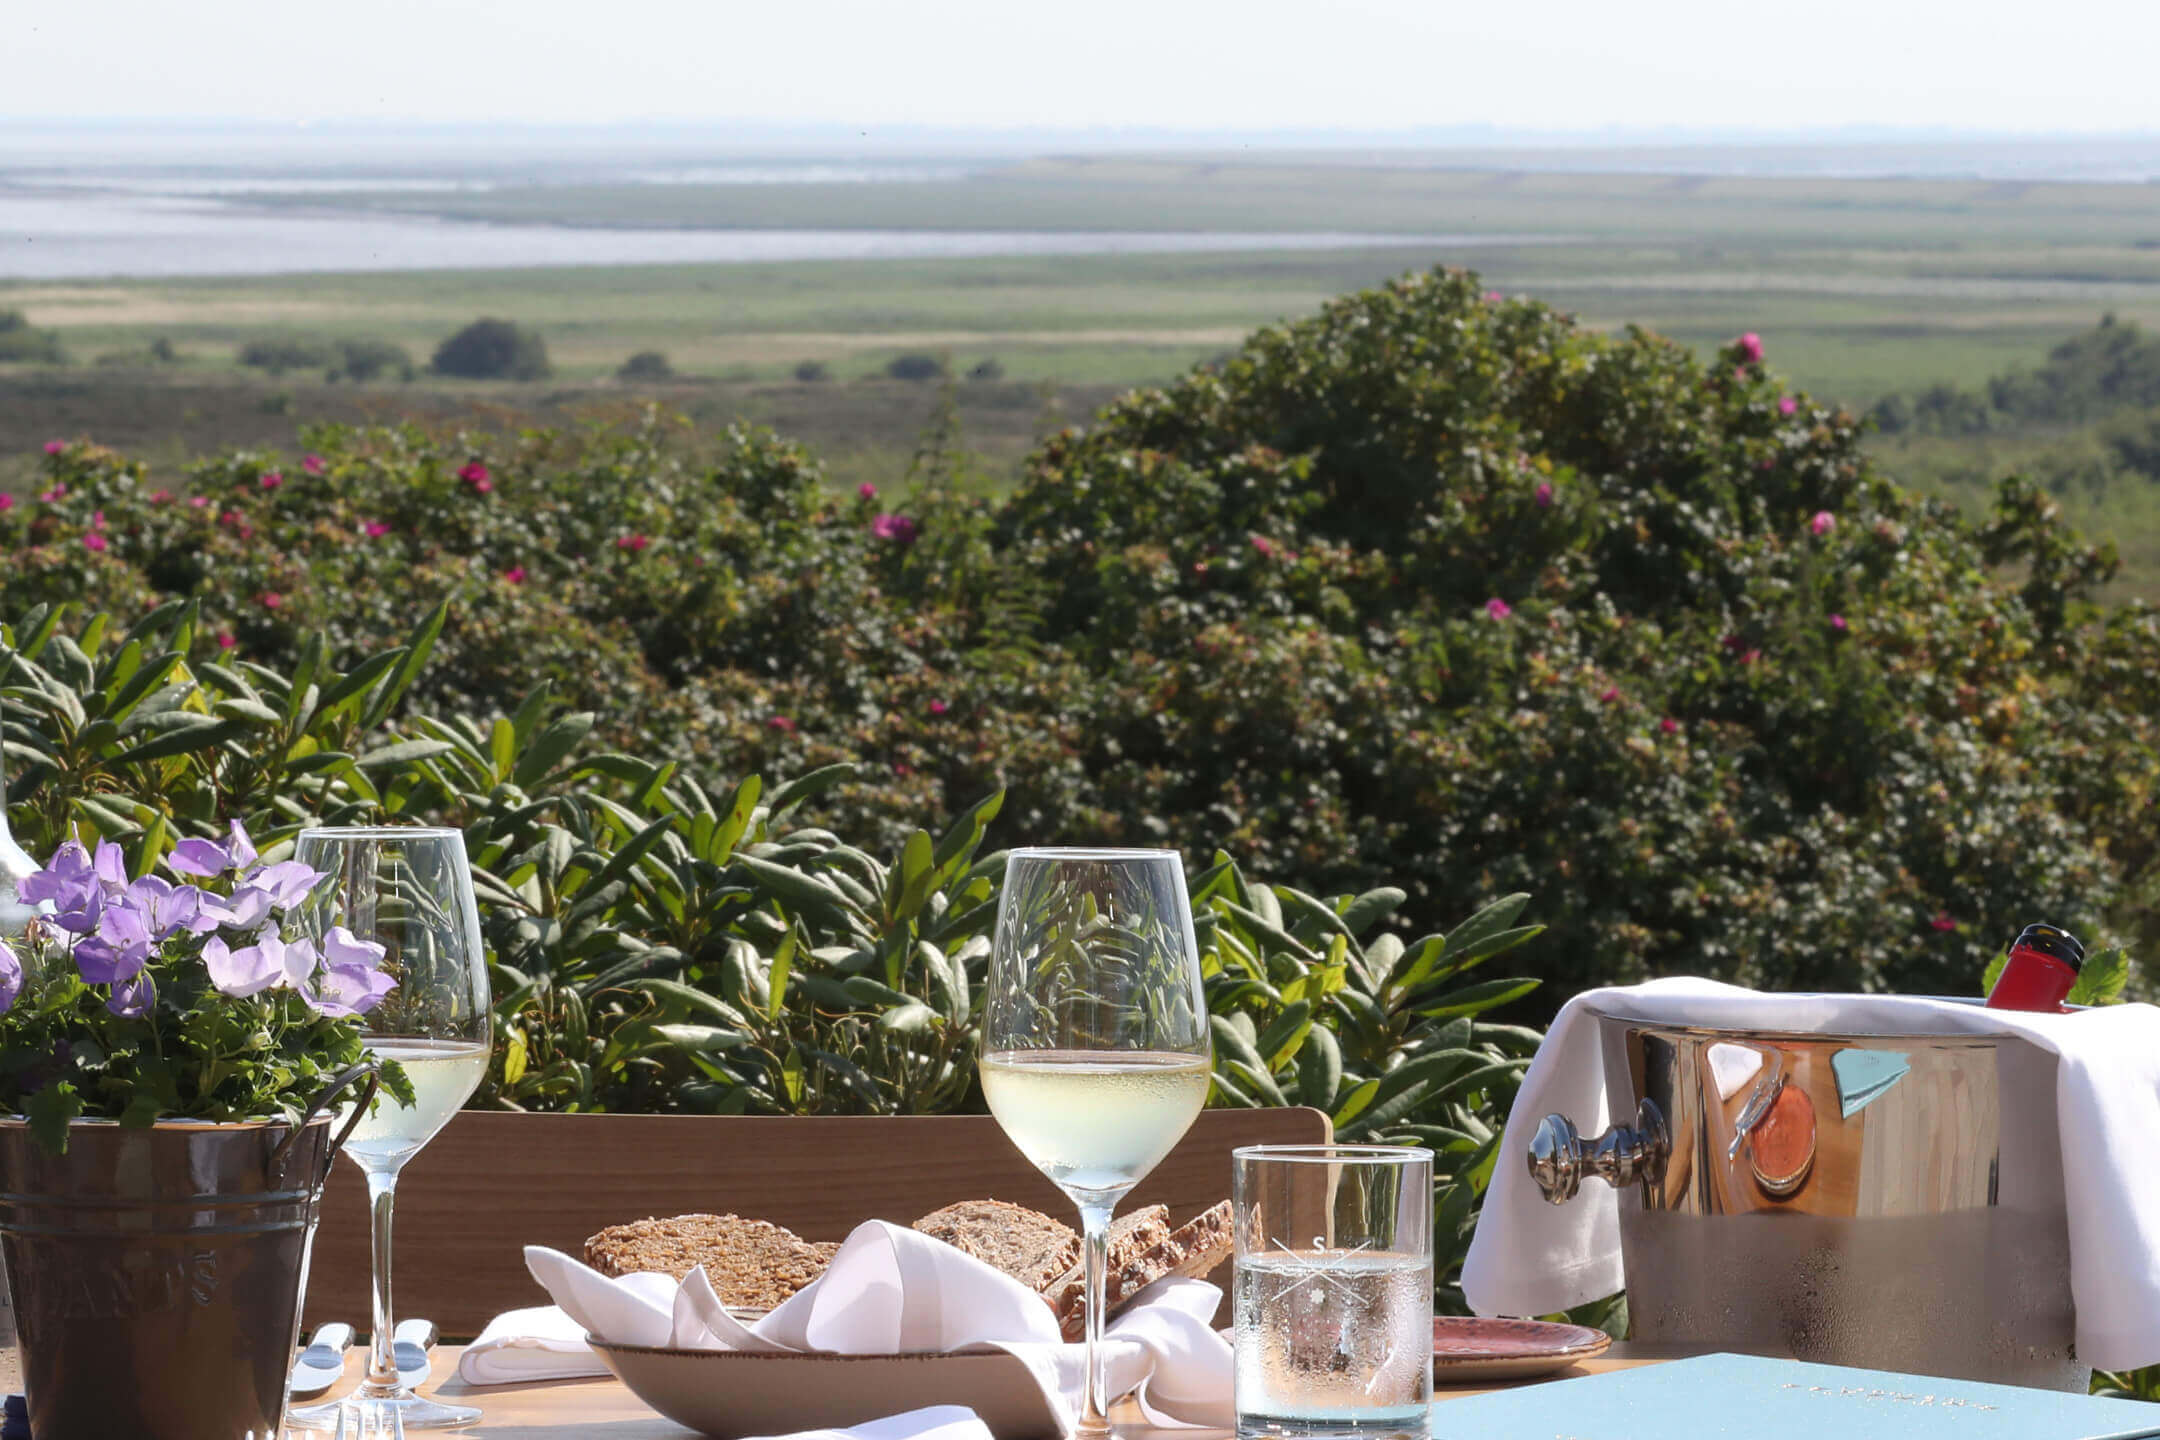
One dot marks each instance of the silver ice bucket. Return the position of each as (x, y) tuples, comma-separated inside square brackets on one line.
[(1893, 1202)]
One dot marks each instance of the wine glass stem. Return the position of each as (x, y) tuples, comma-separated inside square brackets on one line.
[(382, 1373), (1095, 1261)]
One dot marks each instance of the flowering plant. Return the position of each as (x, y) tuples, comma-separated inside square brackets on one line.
[(142, 998)]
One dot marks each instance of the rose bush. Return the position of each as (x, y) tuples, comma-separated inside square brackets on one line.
[(1429, 589)]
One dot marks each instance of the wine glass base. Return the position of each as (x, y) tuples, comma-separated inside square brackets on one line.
[(360, 1416)]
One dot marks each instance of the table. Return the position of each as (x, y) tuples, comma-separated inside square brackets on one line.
[(601, 1409)]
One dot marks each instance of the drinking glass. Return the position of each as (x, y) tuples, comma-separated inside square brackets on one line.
[(410, 890), (1332, 1286), (1095, 1037)]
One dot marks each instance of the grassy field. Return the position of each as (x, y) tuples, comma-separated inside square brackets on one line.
[(1858, 288)]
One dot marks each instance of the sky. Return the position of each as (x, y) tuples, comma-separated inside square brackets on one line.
[(2069, 67)]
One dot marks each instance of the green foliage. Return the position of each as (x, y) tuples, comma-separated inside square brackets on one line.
[(813, 372), (915, 367), (1427, 590), (372, 359), (22, 345), (2113, 366), (493, 350), (284, 353), (659, 943), (646, 365)]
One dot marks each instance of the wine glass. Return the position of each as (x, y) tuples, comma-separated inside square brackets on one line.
[(409, 890), (1095, 1037)]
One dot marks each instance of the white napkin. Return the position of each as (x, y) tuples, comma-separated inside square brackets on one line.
[(889, 1289), (1530, 1258)]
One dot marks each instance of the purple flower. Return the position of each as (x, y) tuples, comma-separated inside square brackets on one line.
[(69, 884), (241, 847), (342, 992), (119, 949), (893, 527), (168, 908), (131, 998), (237, 972), (199, 857), (353, 981), (11, 977), (287, 882), (1544, 494), (110, 865), (1750, 348), (247, 907)]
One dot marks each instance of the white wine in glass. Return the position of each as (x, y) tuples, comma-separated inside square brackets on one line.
[(409, 890), (1095, 1040)]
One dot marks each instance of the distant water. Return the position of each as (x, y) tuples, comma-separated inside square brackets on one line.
[(52, 234)]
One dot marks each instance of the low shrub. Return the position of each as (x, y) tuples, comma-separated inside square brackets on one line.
[(284, 353), (646, 365), (371, 359), (813, 372), (1428, 590), (660, 942), (915, 367), (493, 350), (20, 344)]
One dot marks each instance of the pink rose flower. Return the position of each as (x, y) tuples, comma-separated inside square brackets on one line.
[(1668, 725), (272, 600), (894, 527), (782, 724), (632, 543), (54, 447), (515, 575), (1611, 695), (272, 480), (1837, 622), (312, 463), (7, 501), (94, 541), (1492, 297), (1264, 545), (1823, 523), (1544, 495), (867, 490), (1786, 405), (1749, 657), (225, 640), (160, 497), (1750, 348), (474, 473), (200, 502), (97, 520), (901, 768), (1942, 921), (375, 529), (937, 707), (1499, 609)]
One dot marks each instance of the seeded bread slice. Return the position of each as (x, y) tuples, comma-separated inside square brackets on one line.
[(1131, 1236), (753, 1264), (1192, 1250), (1026, 1244)]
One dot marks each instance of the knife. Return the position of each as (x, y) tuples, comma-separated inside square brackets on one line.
[(409, 1345), (322, 1363)]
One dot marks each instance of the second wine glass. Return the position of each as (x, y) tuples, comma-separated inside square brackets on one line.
[(409, 890), (1095, 1039)]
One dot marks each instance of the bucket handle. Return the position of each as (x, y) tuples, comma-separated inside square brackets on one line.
[(368, 1070)]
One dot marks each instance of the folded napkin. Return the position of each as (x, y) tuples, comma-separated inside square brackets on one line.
[(1531, 1258), (889, 1290), (934, 1422)]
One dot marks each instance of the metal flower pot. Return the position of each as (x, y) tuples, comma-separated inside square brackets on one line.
[(1893, 1202), (157, 1273)]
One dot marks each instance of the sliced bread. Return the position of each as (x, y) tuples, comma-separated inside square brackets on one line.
[(1026, 1244), (1191, 1250), (753, 1264), (1131, 1236)]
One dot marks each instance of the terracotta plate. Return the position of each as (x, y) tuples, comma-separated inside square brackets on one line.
[(1469, 1349)]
